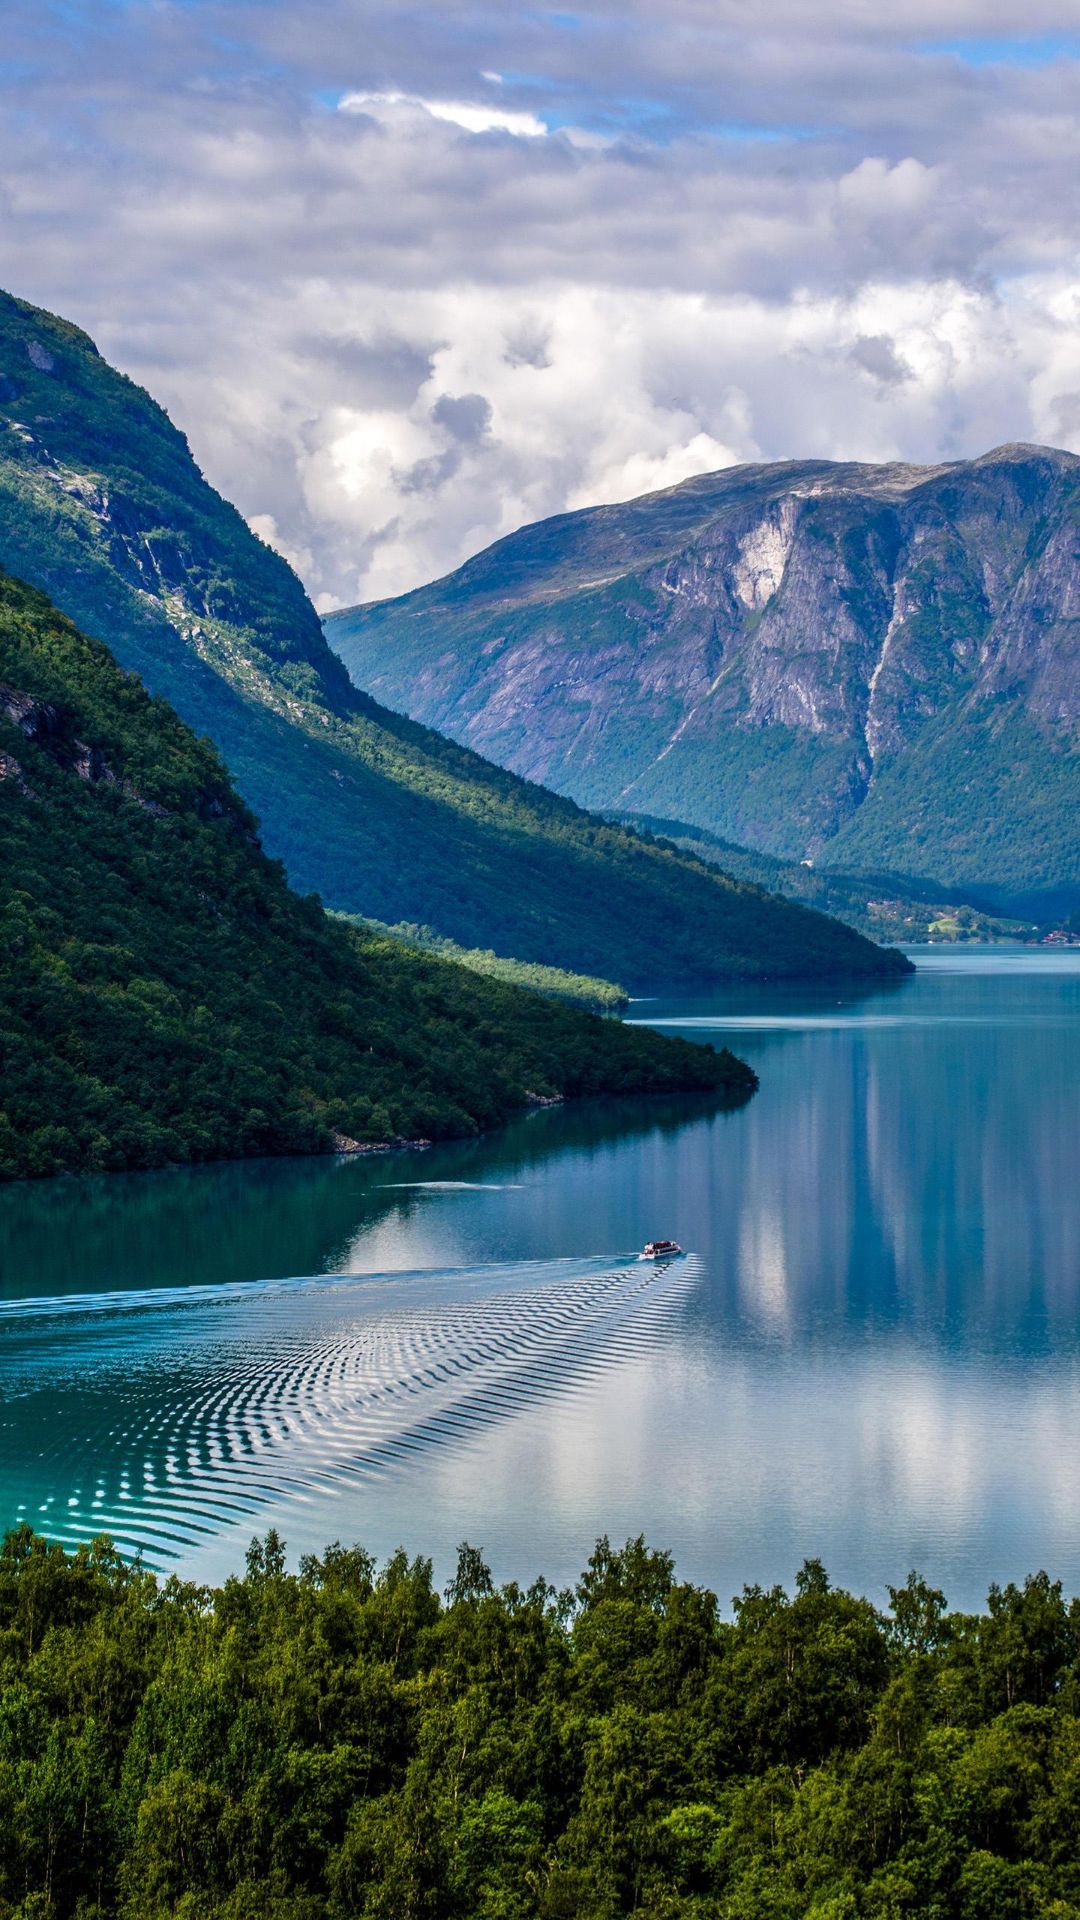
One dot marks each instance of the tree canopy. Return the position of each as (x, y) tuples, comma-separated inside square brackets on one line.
[(345, 1741)]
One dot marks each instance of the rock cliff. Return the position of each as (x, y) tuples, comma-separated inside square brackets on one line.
[(877, 666)]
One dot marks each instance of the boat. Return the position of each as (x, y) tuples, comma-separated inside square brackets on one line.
[(659, 1250)]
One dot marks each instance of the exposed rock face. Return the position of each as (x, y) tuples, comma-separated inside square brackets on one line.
[(34, 719), (863, 663), (11, 770), (41, 723)]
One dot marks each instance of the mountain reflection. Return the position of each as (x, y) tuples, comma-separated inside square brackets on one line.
[(909, 1159), (265, 1219)]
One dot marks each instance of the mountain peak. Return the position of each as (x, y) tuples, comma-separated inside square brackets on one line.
[(838, 661), (1025, 450)]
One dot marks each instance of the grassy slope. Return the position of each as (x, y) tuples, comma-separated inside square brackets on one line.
[(102, 506), (163, 994), (577, 989)]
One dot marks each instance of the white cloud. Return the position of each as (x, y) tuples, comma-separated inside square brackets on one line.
[(471, 117), (623, 393), (267, 529), (395, 332)]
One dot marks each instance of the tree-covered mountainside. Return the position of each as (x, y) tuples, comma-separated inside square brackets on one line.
[(164, 996), (885, 906), (345, 1744), (102, 506), (579, 989), (874, 667)]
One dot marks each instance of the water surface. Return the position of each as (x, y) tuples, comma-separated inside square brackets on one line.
[(872, 1352)]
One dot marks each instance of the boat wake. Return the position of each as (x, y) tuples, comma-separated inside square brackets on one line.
[(164, 1417)]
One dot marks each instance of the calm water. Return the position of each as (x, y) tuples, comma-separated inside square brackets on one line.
[(872, 1352)]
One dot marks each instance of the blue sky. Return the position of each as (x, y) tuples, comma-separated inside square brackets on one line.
[(1021, 50), (410, 274)]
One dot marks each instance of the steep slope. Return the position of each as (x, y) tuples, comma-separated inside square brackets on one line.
[(102, 506), (578, 989), (875, 666), (164, 996), (882, 905)]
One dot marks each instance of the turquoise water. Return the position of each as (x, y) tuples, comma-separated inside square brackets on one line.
[(871, 1352)]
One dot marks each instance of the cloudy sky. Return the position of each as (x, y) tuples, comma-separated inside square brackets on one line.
[(410, 275)]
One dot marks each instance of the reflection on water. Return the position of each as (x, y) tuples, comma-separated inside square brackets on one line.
[(274, 1218), (873, 1355)]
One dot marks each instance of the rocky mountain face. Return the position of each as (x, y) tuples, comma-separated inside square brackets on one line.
[(871, 666), (103, 508)]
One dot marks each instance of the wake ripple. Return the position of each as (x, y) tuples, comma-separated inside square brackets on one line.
[(162, 1418)]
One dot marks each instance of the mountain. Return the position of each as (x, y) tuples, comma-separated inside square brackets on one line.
[(874, 667), (163, 994), (103, 507), (884, 906)]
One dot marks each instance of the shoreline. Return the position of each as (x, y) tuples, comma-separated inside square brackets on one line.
[(731, 1097)]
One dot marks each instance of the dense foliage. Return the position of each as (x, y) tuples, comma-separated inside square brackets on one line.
[(985, 807), (883, 905), (163, 994), (102, 506), (344, 1743), (579, 989)]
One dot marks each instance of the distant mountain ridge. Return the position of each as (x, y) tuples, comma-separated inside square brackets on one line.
[(876, 667), (103, 508), (886, 907)]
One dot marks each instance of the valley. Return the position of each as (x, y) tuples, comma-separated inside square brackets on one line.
[(103, 508), (539, 961)]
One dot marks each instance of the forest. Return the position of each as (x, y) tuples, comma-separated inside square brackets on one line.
[(347, 1741), (577, 989), (164, 995), (884, 906)]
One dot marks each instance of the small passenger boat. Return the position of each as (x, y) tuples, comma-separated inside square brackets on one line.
[(659, 1250)]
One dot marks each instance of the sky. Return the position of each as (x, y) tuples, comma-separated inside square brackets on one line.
[(411, 275)]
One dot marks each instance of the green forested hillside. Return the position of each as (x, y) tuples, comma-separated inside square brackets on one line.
[(346, 1745), (883, 905), (163, 994), (102, 506), (578, 989), (968, 784)]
